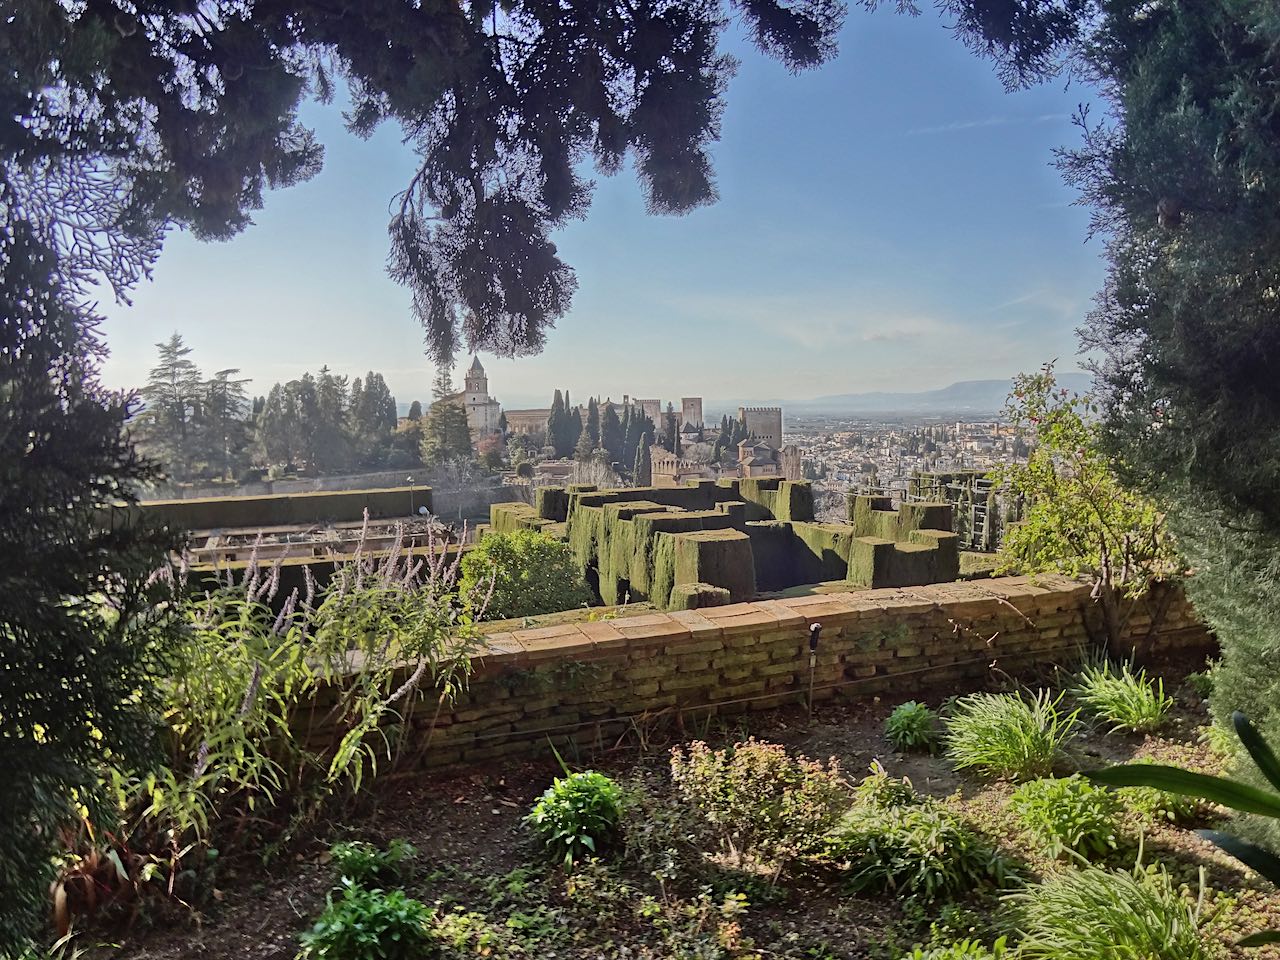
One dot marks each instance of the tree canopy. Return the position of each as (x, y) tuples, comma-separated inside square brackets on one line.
[(125, 119)]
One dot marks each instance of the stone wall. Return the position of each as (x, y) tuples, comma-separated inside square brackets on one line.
[(593, 684)]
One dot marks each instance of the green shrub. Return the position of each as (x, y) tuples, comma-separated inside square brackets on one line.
[(1007, 735), (577, 816), (1068, 814), (531, 574), (911, 726), (964, 950), (1201, 683), (370, 925), (922, 851), (882, 791), (1097, 914), (1129, 700), (759, 801), (1153, 804), (365, 864)]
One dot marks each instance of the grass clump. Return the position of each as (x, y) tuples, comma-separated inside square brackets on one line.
[(1009, 736), (366, 864), (1098, 914), (911, 726), (371, 925), (1068, 815), (1129, 700), (577, 816), (759, 802)]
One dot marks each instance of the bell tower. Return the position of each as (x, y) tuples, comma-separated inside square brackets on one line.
[(477, 384)]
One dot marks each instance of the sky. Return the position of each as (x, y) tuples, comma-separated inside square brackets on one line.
[(890, 221)]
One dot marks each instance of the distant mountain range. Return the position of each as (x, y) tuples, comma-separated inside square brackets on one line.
[(967, 396)]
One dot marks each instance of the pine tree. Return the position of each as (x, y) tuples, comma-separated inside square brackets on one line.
[(446, 436), (173, 395), (223, 428), (585, 449)]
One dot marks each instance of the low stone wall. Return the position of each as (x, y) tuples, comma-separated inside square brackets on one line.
[(594, 683)]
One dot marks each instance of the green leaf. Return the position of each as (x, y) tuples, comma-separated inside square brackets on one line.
[(1228, 793), (1259, 939), (1252, 856), (1262, 754)]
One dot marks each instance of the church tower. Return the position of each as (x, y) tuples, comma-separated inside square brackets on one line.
[(477, 384)]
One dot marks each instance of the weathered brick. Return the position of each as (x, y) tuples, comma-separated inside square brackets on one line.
[(693, 646)]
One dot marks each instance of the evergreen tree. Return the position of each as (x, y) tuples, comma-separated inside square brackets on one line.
[(223, 427), (642, 473), (332, 445), (502, 422), (671, 431), (573, 424), (415, 410), (278, 426), (169, 427), (83, 639), (611, 438), (585, 449), (556, 429), (446, 437), (593, 421)]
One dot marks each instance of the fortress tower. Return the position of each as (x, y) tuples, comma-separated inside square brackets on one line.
[(763, 424), (691, 411)]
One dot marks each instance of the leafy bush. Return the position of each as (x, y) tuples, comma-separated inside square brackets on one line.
[(1006, 735), (1130, 701), (922, 851), (370, 925), (1068, 814), (363, 863), (882, 791), (577, 816), (528, 572), (1097, 914), (1153, 804), (911, 726), (1201, 683), (964, 950), (759, 801)]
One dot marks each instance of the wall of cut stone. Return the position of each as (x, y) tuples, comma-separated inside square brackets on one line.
[(593, 684)]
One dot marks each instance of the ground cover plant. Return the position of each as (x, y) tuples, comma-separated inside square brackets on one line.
[(1013, 736), (1126, 699), (368, 864), (365, 924)]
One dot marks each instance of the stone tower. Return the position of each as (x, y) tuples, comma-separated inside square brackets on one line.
[(477, 384), (763, 424), (691, 411)]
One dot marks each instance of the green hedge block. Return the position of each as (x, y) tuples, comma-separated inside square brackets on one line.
[(793, 501), (825, 553), (922, 515), (645, 530), (735, 510), (774, 547), (510, 517), (586, 531), (662, 574), (911, 565), (552, 503), (272, 510), (946, 561), (869, 561), (862, 511), (721, 558), (696, 596)]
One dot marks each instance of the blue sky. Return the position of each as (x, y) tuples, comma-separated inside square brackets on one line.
[(891, 221)]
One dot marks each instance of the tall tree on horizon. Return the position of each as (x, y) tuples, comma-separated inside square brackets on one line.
[(224, 428), (173, 395)]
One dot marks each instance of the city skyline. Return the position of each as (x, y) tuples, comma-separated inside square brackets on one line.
[(942, 247)]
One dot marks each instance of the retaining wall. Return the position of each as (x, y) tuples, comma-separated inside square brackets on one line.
[(594, 683)]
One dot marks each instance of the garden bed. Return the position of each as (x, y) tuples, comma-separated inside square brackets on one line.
[(496, 896)]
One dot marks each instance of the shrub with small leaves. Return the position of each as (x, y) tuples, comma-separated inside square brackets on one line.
[(364, 863), (577, 816), (911, 726), (759, 801), (1068, 814), (1008, 735), (1129, 700), (881, 790), (923, 851), (1097, 914), (370, 925), (963, 950), (1157, 806)]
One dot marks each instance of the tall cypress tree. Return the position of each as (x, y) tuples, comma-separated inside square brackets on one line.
[(642, 472), (593, 421), (555, 425), (611, 433)]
